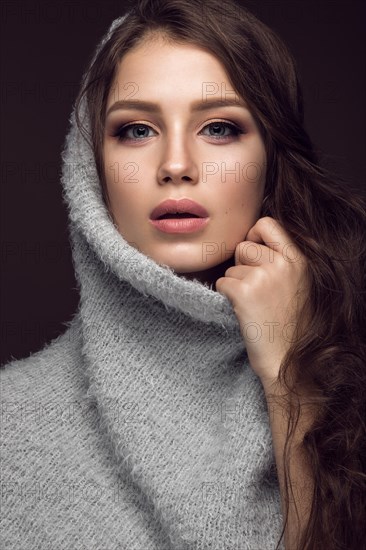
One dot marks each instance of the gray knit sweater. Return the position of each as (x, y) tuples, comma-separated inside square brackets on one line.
[(143, 426)]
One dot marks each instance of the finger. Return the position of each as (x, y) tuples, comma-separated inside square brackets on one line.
[(269, 231), (229, 287), (238, 271), (265, 228), (253, 254)]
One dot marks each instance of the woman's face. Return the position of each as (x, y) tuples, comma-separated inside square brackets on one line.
[(181, 149)]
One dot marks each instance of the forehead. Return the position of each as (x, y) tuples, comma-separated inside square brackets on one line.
[(156, 67)]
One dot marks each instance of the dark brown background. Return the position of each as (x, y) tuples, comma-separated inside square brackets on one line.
[(45, 49)]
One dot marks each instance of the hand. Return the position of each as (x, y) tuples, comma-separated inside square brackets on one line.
[(267, 287)]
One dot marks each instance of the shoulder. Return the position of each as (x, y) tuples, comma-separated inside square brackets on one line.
[(34, 389), (27, 376)]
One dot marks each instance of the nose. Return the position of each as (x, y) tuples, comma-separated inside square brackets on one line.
[(177, 161)]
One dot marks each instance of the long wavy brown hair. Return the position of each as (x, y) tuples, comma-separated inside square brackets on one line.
[(325, 218)]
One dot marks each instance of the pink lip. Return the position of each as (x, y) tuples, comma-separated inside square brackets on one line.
[(183, 205), (182, 225)]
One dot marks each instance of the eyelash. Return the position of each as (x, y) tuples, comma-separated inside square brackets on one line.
[(120, 134)]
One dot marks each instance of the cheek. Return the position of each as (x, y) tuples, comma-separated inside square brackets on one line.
[(241, 205), (116, 177), (243, 197), (244, 186), (253, 186)]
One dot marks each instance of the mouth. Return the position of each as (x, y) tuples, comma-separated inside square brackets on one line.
[(177, 215), (178, 209), (179, 222)]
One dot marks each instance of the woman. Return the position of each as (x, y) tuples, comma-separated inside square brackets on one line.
[(208, 392)]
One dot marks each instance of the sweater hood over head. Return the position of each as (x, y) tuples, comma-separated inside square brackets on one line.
[(92, 230)]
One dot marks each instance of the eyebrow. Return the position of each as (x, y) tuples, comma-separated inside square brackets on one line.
[(151, 107)]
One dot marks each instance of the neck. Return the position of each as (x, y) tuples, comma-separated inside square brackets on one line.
[(210, 275)]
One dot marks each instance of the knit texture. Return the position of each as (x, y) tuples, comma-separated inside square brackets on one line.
[(142, 426)]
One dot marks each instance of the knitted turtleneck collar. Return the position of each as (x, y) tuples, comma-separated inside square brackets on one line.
[(92, 228), (179, 424)]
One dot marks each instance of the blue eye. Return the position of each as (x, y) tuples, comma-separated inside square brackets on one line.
[(235, 130), (138, 131), (139, 128)]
